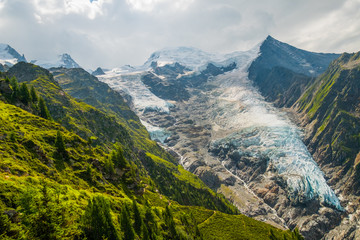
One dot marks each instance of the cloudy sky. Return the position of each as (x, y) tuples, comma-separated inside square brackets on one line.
[(111, 33)]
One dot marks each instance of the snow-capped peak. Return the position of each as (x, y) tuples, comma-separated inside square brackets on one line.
[(197, 59), (63, 60), (9, 56), (190, 57)]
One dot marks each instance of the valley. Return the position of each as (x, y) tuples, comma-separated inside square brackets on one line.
[(273, 129), (237, 143)]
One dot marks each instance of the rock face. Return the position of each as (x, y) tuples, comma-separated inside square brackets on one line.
[(98, 71), (237, 143), (282, 71)]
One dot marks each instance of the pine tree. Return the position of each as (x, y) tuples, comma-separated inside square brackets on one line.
[(25, 96), (97, 222), (59, 143), (150, 222), (109, 166), (15, 88), (137, 217), (125, 223), (44, 112), (33, 94), (117, 157), (169, 221), (43, 217)]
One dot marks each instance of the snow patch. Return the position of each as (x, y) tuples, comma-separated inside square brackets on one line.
[(130, 83)]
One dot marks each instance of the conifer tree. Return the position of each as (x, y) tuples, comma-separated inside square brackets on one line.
[(33, 94), (117, 157), (137, 217), (43, 217), (44, 112), (59, 143), (25, 94), (169, 221), (109, 166), (125, 223), (150, 222), (97, 222), (15, 88)]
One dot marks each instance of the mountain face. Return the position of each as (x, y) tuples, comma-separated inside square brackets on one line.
[(9, 56), (63, 60), (330, 111), (210, 110), (281, 72)]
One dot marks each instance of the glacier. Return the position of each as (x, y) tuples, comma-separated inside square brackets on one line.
[(239, 116), (141, 97), (258, 129)]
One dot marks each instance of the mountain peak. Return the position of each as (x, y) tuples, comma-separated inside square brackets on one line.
[(9, 56), (63, 60), (98, 71), (276, 53), (188, 56)]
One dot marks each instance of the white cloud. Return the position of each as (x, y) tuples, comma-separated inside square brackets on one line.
[(111, 33), (335, 30), (150, 5), (51, 9)]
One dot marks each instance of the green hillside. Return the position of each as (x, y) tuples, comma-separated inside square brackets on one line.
[(71, 171), (332, 107)]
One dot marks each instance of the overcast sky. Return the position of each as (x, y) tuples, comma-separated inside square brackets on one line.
[(111, 33)]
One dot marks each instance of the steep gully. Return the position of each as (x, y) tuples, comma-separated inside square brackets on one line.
[(241, 146)]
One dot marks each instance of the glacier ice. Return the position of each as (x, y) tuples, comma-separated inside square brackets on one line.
[(130, 83), (156, 133), (128, 80), (260, 130)]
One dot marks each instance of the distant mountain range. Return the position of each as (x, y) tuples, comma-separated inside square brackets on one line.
[(9, 57)]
